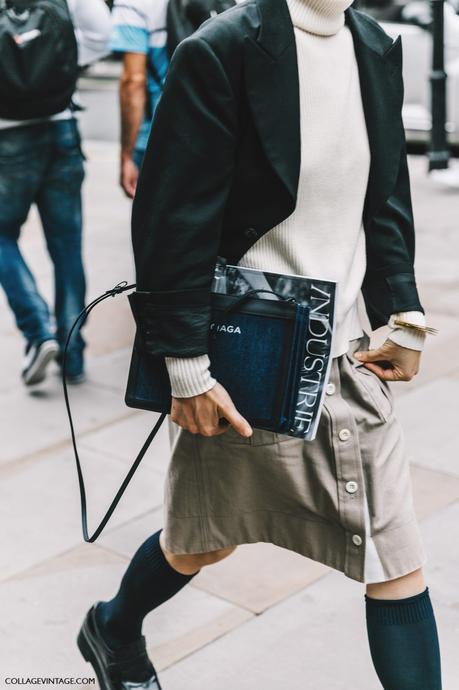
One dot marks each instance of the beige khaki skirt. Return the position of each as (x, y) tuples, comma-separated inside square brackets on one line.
[(344, 499)]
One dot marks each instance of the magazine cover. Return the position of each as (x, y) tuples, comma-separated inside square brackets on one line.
[(320, 296)]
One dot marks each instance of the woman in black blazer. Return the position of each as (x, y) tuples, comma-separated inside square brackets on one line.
[(223, 170)]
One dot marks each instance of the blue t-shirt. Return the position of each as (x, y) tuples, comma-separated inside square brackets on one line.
[(139, 26)]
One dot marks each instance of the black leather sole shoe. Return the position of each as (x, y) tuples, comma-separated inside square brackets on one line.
[(125, 668)]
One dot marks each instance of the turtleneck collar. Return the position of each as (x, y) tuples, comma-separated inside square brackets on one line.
[(322, 17)]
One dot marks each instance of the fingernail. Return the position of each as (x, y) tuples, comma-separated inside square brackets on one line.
[(358, 355)]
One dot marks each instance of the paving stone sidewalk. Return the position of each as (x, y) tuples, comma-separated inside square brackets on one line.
[(264, 618)]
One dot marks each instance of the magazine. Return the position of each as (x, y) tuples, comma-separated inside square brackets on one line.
[(320, 296)]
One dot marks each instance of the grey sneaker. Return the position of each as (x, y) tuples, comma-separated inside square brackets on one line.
[(126, 668), (36, 359)]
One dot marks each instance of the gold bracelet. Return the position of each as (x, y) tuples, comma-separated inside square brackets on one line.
[(421, 330)]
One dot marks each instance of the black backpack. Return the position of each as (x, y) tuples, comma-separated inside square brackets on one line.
[(38, 58), (185, 16)]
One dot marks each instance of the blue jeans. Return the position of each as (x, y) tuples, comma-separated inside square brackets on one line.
[(43, 164)]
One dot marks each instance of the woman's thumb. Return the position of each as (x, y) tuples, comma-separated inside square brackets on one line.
[(237, 421), (368, 356)]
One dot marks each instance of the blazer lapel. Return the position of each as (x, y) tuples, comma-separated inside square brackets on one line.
[(380, 67), (273, 90)]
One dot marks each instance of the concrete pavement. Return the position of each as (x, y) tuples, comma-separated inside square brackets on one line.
[(265, 617)]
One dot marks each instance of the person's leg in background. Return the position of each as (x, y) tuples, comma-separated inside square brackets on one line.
[(24, 152), (60, 208), (403, 634), (111, 635)]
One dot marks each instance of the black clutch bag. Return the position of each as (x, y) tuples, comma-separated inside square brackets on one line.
[(256, 348)]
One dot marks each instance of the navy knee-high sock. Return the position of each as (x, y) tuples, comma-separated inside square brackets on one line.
[(404, 642), (148, 582)]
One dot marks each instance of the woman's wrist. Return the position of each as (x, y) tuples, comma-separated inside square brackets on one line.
[(411, 338)]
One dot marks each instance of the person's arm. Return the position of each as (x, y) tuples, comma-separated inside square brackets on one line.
[(389, 287), (398, 359), (133, 94), (177, 220), (130, 37)]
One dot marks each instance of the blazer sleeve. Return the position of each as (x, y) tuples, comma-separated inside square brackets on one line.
[(390, 285), (180, 202)]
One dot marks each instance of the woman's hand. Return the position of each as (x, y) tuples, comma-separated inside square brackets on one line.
[(391, 362), (209, 414)]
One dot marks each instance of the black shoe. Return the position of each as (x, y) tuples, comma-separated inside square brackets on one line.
[(126, 668), (36, 359)]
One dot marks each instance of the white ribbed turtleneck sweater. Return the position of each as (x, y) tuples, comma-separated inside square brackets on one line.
[(324, 236), (319, 17)]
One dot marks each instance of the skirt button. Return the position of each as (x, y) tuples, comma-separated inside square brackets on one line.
[(344, 435), (351, 487)]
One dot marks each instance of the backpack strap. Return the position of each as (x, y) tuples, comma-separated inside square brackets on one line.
[(78, 323)]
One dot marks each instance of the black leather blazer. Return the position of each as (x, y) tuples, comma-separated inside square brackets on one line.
[(223, 160)]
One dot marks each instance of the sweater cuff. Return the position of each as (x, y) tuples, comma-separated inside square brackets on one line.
[(189, 376), (404, 336)]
